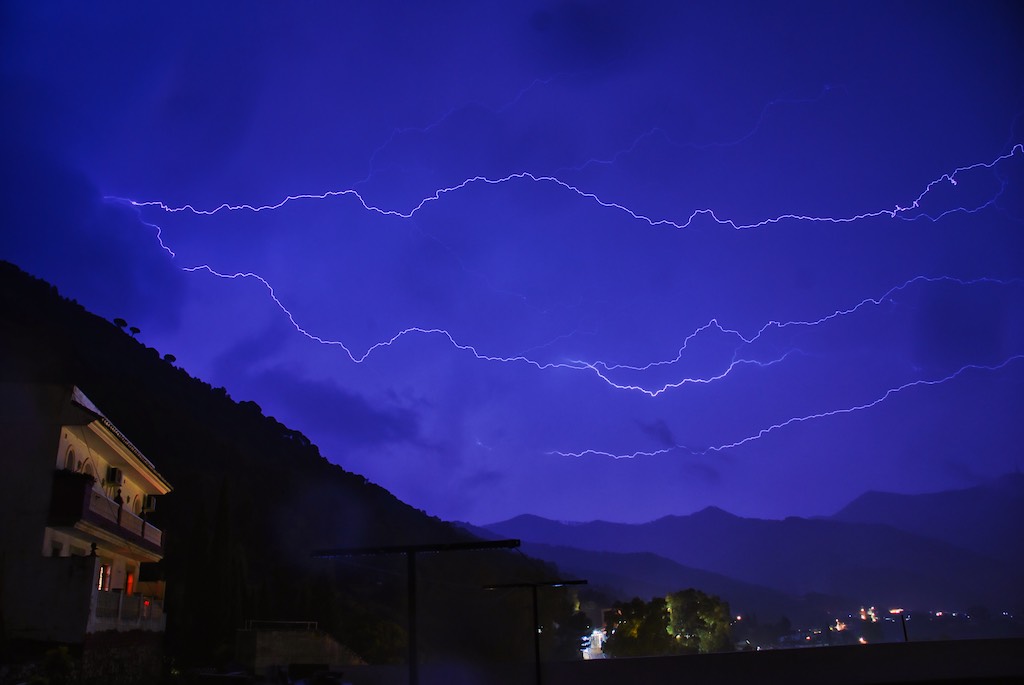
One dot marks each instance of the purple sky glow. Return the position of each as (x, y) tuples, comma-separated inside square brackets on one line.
[(578, 259)]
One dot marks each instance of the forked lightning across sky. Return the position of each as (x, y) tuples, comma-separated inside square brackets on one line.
[(605, 371)]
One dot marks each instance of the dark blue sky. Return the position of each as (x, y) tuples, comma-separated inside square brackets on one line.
[(584, 260)]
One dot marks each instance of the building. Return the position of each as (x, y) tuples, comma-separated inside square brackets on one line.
[(77, 552)]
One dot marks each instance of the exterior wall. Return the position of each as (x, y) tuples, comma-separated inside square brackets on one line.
[(82, 451), (53, 599)]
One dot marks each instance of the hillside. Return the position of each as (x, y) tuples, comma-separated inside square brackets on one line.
[(252, 498)]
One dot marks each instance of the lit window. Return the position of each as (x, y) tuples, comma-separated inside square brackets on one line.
[(104, 579)]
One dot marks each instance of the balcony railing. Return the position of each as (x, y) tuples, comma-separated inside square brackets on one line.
[(118, 611), (74, 499)]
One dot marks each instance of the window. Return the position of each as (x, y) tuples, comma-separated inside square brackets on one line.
[(69, 459), (129, 582), (104, 580), (56, 549)]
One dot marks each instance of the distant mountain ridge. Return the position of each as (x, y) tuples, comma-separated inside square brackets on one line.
[(860, 553), (986, 518)]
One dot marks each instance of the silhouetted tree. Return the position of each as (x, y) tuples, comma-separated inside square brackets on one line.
[(135, 331), (120, 323), (699, 622), (170, 358), (641, 629)]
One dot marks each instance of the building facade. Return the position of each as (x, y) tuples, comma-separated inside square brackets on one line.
[(76, 544)]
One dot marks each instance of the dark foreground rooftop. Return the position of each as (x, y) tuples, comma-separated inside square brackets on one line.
[(948, 663)]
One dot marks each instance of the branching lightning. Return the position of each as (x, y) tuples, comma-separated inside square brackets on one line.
[(600, 369), (797, 419), (662, 133), (607, 371)]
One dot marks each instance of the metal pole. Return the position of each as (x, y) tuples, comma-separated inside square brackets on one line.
[(536, 634), (410, 557)]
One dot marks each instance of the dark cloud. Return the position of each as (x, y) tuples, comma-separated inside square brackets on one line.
[(251, 352), (961, 326), (658, 430), (590, 35), (321, 406)]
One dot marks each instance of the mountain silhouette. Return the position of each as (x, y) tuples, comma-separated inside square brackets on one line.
[(987, 519), (869, 562)]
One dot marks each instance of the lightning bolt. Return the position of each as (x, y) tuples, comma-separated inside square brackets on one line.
[(713, 324), (600, 369), (900, 211), (796, 419), (664, 135), (605, 370)]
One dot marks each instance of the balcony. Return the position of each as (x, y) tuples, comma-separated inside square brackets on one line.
[(75, 503)]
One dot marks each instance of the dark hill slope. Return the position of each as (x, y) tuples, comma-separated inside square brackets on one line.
[(253, 498)]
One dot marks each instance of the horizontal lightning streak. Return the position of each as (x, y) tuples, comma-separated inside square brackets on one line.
[(796, 419), (779, 325), (896, 212)]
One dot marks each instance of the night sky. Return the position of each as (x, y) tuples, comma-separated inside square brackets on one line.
[(579, 259)]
